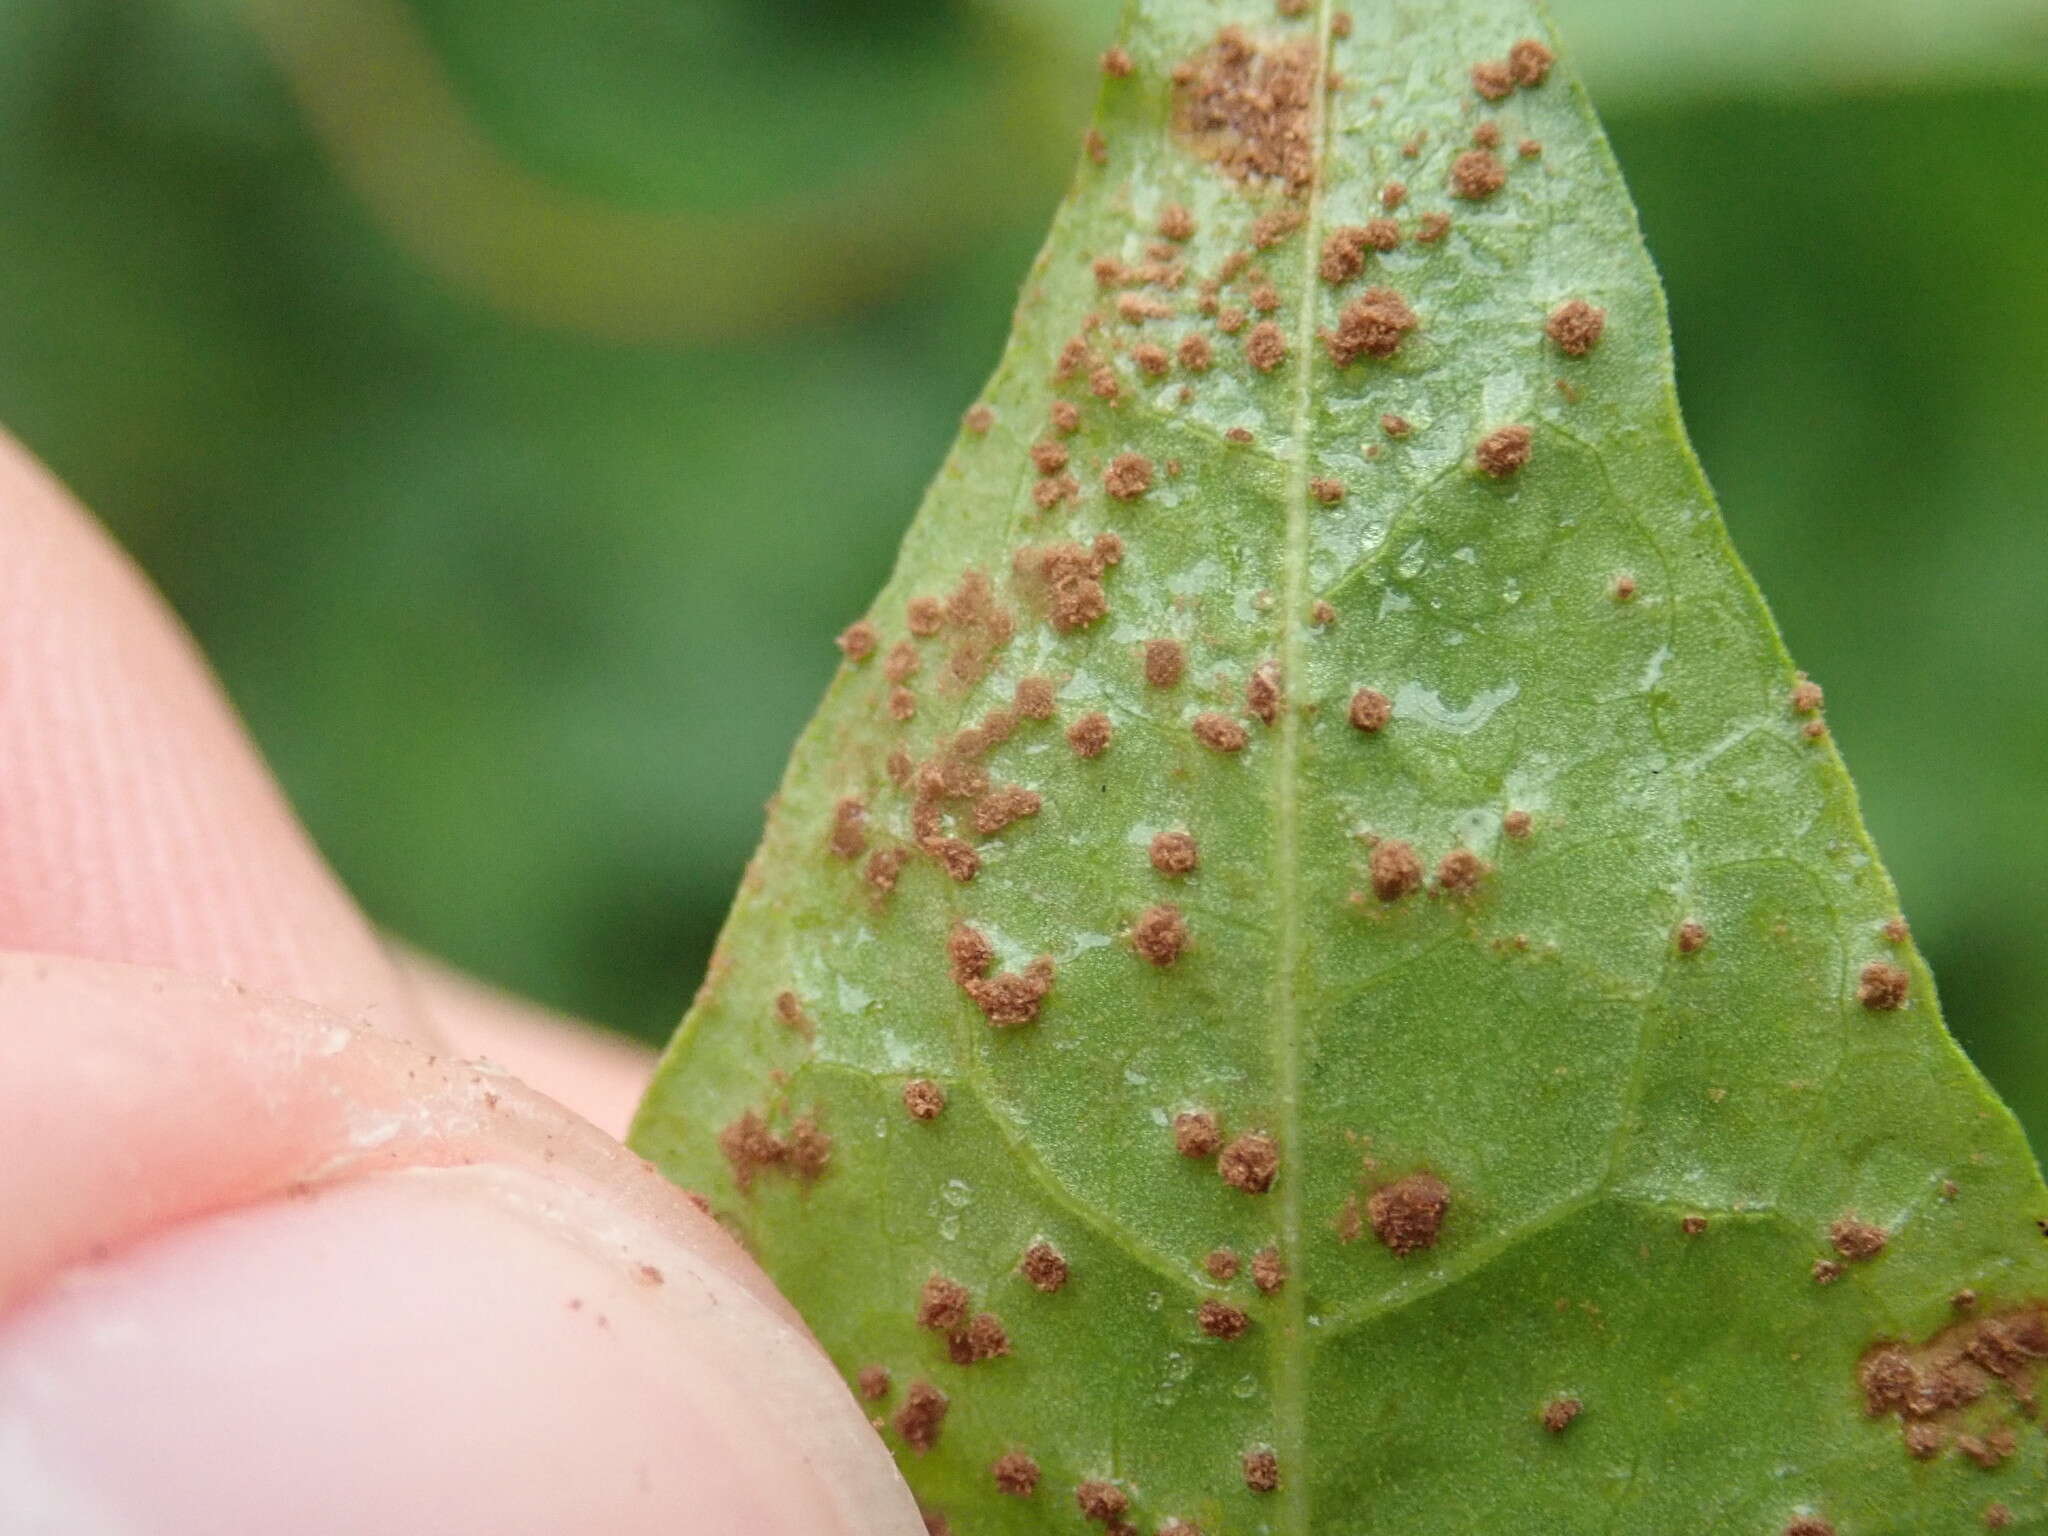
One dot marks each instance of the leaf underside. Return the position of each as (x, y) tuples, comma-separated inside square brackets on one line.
[(1626, 1177)]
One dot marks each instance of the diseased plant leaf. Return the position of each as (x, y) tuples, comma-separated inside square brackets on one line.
[(1317, 970)]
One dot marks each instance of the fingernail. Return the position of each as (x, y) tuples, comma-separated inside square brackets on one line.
[(440, 1350)]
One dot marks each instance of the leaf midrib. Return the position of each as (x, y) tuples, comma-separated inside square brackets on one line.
[(1289, 1359)]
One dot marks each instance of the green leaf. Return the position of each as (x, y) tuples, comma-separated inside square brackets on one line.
[(1561, 1045)]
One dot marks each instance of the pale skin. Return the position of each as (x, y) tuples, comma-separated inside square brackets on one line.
[(276, 1254)]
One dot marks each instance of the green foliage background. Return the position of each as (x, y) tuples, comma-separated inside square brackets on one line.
[(524, 565)]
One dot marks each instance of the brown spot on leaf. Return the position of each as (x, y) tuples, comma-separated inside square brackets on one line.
[(1460, 871), (1174, 853), (1089, 735), (789, 1012), (1990, 1450), (1159, 935), (1219, 733), (1195, 353), (1275, 225), (1395, 869), (1692, 1226), (1136, 308), (1197, 1133), (1371, 325), (1576, 326), (1221, 1265), (1477, 174), (1220, 1320), (1883, 986), (979, 419), (1175, 222), (1261, 1471), (857, 640), (1034, 698), (1809, 1525), (810, 1150), (1009, 998), (1530, 61), (1048, 458), (1047, 494), (749, 1146), (1407, 1214), (1503, 451), (1559, 1412), (1371, 710), (922, 1416), (1806, 697), (923, 1098), (1343, 255), (848, 838), (1329, 492), (1116, 62), (1433, 227), (1070, 576), (1690, 937), (983, 1338), (1266, 347), (1493, 79), (955, 856), (925, 615), (999, 807), (873, 1383), (1268, 1273), (1245, 108), (1016, 1474), (1826, 1271), (1623, 588), (1044, 1266), (1517, 824), (1856, 1240), (1065, 416), (1996, 1517), (1165, 663), (969, 953), (941, 1304), (902, 663), (1262, 693), (1250, 1162), (1102, 1501), (1128, 476)]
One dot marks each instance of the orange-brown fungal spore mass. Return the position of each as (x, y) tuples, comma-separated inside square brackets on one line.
[(1246, 107), (1407, 1214)]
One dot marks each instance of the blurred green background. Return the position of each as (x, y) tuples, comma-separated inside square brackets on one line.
[(515, 397)]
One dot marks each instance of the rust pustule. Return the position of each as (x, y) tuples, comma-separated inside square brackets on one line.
[(1245, 106)]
